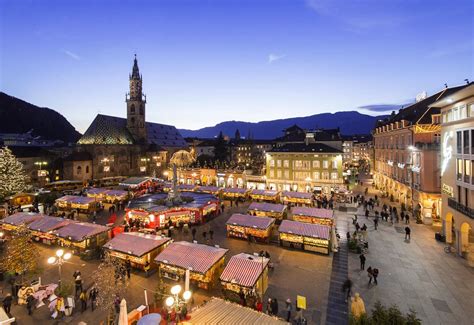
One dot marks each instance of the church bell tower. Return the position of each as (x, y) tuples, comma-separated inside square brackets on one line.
[(136, 101)]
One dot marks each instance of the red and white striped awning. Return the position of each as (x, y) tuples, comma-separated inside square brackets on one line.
[(246, 220), (244, 269), (195, 257), (313, 212), (305, 229)]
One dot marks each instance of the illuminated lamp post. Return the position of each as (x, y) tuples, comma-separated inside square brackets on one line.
[(40, 165), (174, 301), (59, 260)]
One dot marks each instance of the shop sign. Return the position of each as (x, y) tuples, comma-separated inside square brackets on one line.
[(400, 165), (301, 302), (390, 162), (448, 190), (415, 169), (447, 151)]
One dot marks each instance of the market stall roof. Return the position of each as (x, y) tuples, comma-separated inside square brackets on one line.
[(297, 195), (305, 229), (313, 212), (135, 243), (22, 218), (267, 207), (155, 203), (244, 269), (246, 220), (48, 223), (78, 231), (76, 199), (134, 181), (96, 190), (186, 187), (264, 192), (116, 193), (222, 312), (235, 190), (197, 257), (207, 189)]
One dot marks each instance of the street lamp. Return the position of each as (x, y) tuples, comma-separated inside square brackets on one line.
[(59, 260), (175, 301)]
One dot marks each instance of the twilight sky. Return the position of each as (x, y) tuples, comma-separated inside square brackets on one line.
[(206, 61)]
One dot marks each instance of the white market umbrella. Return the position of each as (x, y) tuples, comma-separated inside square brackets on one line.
[(123, 316)]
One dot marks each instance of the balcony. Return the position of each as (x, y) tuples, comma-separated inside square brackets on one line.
[(467, 211)]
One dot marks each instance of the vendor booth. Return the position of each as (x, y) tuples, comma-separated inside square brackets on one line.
[(246, 273), (21, 199), (81, 204), (247, 226), (42, 229), (313, 215), (264, 195), (272, 210), (223, 312), (214, 190), (138, 186), (13, 221), (235, 193), (305, 236), (296, 198), (106, 195), (82, 235), (140, 249), (204, 262)]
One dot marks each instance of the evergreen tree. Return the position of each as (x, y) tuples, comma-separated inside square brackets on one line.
[(13, 178), (220, 149), (20, 255)]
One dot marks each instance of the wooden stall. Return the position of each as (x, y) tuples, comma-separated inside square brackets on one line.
[(21, 199), (305, 236), (138, 186), (214, 190), (272, 210), (82, 236), (235, 193), (247, 273), (296, 198), (204, 262), (81, 204), (42, 229), (13, 221), (265, 195), (141, 249), (313, 215), (247, 226)]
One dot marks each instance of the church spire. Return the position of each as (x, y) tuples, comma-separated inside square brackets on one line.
[(135, 71)]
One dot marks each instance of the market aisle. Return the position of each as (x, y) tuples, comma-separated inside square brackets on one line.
[(337, 306)]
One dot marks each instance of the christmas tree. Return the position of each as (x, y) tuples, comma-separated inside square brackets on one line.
[(20, 255), (12, 175)]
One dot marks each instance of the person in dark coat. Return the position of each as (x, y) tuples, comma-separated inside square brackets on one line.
[(274, 306), (7, 303), (407, 233), (30, 303), (362, 261), (128, 266), (193, 232), (93, 297)]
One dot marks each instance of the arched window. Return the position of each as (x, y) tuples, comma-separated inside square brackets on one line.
[(87, 169), (79, 170), (132, 108), (141, 109), (133, 120)]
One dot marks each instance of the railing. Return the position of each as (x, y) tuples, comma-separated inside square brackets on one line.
[(467, 211)]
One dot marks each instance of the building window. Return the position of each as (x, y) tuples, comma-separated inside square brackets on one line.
[(316, 176), (471, 110), (141, 109), (334, 176), (286, 163), (87, 169), (325, 175), (272, 173), (334, 164), (458, 142), (272, 163), (466, 142), (79, 170), (467, 171), (459, 169), (316, 164), (278, 163), (286, 174), (132, 109), (278, 173), (325, 164)]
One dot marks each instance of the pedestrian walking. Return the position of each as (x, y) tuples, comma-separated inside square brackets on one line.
[(204, 235), (30, 302), (407, 233), (268, 309), (375, 274), (7, 303), (362, 261), (275, 306), (370, 274), (259, 305), (211, 234), (407, 219), (75, 274), (288, 309), (357, 226), (367, 213), (93, 297), (78, 285), (347, 288), (83, 299), (348, 236), (376, 223), (128, 266), (193, 232)]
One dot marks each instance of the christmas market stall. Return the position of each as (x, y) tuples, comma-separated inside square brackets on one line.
[(272, 210), (248, 227), (22, 200), (140, 249), (264, 195), (42, 229), (98, 193), (116, 196), (305, 236), (223, 312), (313, 215), (82, 236), (245, 273), (214, 190), (235, 193), (81, 204), (296, 198), (204, 262), (13, 221), (138, 186)]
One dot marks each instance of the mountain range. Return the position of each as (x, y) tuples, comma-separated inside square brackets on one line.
[(18, 116), (349, 122)]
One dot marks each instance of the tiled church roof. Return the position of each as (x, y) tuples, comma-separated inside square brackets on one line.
[(113, 130)]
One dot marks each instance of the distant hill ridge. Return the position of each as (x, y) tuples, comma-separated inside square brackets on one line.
[(18, 116), (349, 122)]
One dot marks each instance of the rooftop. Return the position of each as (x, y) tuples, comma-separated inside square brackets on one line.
[(305, 148), (248, 221), (134, 243), (304, 229), (244, 269)]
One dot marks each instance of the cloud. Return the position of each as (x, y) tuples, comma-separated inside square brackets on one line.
[(275, 57), (72, 55), (381, 107)]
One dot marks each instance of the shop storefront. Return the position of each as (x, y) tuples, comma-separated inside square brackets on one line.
[(235, 193), (13, 221), (42, 229), (81, 204), (272, 210), (265, 195), (246, 226), (81, 236), (313, 215), (296, 198), (305, 236)]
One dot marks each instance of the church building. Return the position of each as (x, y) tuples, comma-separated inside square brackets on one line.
[(126, 146)]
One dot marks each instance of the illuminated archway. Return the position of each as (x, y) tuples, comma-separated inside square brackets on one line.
[(464, 234), (449, 231)]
